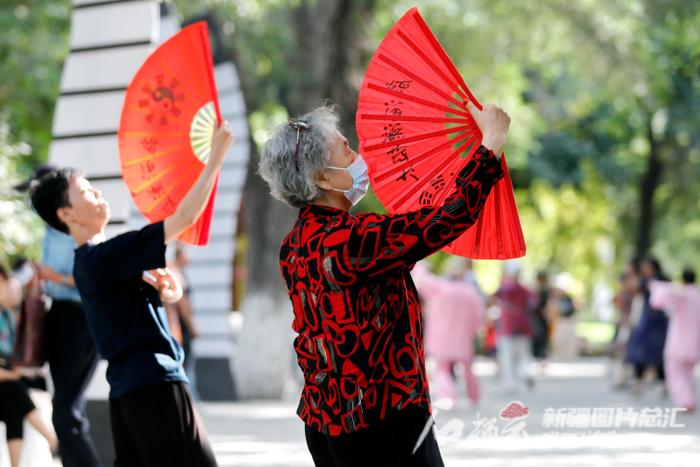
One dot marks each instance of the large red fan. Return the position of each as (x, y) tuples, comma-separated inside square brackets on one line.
[(170, 112), (416, 134)]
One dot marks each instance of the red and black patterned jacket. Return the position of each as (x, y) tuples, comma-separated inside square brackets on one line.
[(356, 310)]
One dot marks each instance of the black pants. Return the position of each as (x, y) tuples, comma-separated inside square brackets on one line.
[(158, 425), (72, 360), (640, 369), (389, 443), (15, 404)]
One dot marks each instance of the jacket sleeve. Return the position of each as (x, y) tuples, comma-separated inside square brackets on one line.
[(378, 242)]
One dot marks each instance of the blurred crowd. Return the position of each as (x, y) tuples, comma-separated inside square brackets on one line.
[(656, 341), (657, 337), (519, 325)]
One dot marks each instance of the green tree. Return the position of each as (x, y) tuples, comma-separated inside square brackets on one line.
[(33, 44)]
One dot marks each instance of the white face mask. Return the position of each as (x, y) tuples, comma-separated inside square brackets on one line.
[(360, 180)]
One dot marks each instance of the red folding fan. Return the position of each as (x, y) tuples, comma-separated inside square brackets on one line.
[(416, 134), (170, 112)]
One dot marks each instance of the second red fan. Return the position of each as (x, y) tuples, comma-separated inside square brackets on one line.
[(416, 134)]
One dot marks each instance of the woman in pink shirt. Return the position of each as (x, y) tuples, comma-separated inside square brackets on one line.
[(454, 313), (682, 350)]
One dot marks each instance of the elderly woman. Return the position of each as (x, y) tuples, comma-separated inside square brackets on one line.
[(360, 334)]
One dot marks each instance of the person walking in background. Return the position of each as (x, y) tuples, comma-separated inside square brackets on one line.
[(70, 350), (15, 403), (646, 346), (454, 313), (513, 329), (540, 323), (682, 350), (561, 312), (625, 301), (180, 315)]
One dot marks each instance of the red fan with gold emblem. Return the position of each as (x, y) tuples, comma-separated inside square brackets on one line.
[(170, 112), (416, 134)]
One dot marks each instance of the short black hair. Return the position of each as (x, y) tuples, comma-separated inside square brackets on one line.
[(688, 276), (50, 193)]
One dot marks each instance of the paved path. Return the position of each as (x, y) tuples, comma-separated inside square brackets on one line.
[(268, 434)]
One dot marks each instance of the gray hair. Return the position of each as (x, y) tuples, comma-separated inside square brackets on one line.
[(293, 183)]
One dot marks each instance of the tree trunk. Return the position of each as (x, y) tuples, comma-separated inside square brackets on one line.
[(329, 35), (326, 39), (263, 360), (647, 188)]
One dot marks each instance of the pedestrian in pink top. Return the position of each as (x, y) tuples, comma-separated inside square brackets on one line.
[(682, 349), (454, 313)]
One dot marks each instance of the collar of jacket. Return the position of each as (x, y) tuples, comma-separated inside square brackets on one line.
[(321, 210)]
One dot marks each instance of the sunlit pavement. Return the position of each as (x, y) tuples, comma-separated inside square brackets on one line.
[(269, 434)]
